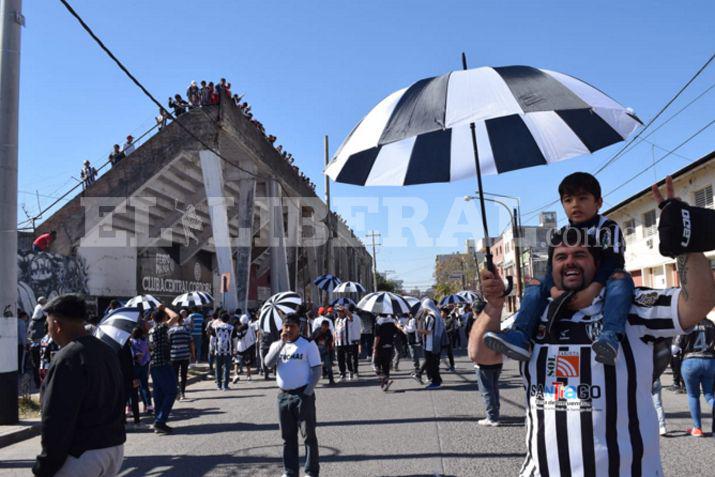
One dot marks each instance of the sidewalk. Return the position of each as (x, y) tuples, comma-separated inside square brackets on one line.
[(29, 428)]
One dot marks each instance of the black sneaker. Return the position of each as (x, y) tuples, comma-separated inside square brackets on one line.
[(606, 349), (161, 428), (387, 385)]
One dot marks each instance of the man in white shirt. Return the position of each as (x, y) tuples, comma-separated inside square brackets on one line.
[(298, 370)]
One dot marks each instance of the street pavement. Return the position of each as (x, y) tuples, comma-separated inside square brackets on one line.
[(362, 432)]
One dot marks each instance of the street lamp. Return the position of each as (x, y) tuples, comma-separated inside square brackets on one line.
[(515, 232)]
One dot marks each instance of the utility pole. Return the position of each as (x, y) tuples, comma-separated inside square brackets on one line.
[(11, 21), (329, 217), (373, 235), (517, 252)]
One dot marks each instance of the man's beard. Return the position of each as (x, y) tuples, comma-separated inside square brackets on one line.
[(580, 286)]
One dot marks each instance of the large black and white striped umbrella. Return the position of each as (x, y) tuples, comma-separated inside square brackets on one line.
[(327, 282), (384, 302), (349, 287), (523, 117), (454, 299), (414, 304), (116, 328), (270, 318), (148, 302), (191, 299), (343, 301)]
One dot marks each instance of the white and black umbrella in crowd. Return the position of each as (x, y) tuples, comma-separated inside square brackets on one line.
[(327, 282), (384, 302), (414, 304), (349, 287), (470, 296), (343, 301), (191, 299), (116, 328), (479, 121), (453, 299), (275, 308), (148, 302)]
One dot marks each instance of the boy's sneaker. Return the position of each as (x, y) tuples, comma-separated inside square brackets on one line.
[(606, 348), (513, 344), (160, 428), (488, 422), (416, 377)]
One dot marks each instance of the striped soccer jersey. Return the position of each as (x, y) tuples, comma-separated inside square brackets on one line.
[(588, 419)]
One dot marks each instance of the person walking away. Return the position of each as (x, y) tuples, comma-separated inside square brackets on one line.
[(698, 369), (224, 333), (181, 353), (82, 400), (197, 326), (343, 344), (297, 362), (661, 359), (383, 348), (367, 324), (44, 242), (267, 339), (130, 382), (400, 341), (676, 361), (246, 347), (211, 335), (140, 352), (354, 333), (162, 373), (88, 174), (323, 338)]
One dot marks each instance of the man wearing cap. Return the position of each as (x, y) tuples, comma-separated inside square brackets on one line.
[(128, 146), (82, 400), (88, 174), (298, 370)]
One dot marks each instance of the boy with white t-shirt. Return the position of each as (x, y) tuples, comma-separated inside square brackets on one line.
[(298, 370)]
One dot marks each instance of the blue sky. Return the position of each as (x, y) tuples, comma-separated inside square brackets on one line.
[(312, 68)]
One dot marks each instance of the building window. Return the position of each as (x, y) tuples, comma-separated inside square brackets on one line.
[(704, 197), (629, 228), (649, 223)]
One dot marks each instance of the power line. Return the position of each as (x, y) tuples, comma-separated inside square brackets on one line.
[(124, 69), (654, 118)]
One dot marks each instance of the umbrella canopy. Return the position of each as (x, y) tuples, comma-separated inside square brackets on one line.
[(148, 302), (194, 298), (384, 302), (414, 304), (454, 299), (523, 117), (343, 301), (470, 296), (116, 328), (327, 282), (349, 287), (275, 308)]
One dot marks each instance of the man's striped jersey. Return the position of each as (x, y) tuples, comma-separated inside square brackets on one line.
[(588, 419)]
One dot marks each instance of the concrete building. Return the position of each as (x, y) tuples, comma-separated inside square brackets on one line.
[(173, 217), (638, 217)]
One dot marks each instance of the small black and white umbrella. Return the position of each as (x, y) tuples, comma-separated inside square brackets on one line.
[(327, 282), (349, 287), (452, 300), (384, 302), (148, 302), (275, 308), (479, 121), (470, 296), (191, 299), (116, 328), (414, 304), (343, 301)]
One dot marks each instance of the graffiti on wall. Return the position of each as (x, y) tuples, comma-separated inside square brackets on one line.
[(48, 274)]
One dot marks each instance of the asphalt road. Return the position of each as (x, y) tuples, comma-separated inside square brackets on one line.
[(362, 432)]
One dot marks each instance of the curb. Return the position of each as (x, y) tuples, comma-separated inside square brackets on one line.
[(34, 428)]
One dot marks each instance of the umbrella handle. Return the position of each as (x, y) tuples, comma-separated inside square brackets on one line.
[(492, 268), (509, 285)]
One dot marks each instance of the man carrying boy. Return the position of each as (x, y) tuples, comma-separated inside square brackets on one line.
[(580, 195)]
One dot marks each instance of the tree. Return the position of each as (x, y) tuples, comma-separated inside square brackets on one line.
[(455, 272), (385, 284)]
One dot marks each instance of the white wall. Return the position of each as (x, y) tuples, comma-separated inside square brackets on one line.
[(111, 271)]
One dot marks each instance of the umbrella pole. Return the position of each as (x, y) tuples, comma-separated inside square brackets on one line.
[(487, 248)]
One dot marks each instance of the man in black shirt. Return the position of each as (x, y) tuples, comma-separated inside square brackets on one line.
[(382, 349), (83, 399)]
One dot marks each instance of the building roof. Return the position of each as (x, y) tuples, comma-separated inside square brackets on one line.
[(693, 165)]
